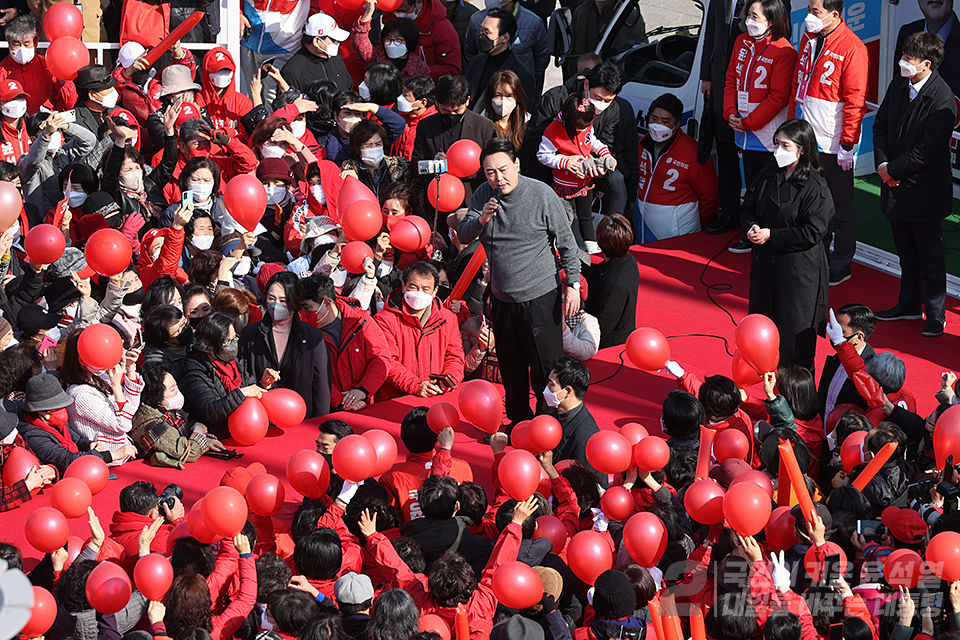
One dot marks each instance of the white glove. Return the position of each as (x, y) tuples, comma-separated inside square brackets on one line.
[(781, 575), (590, 595), (834, 330), (845, 158), (674, 368), (600, 520), (348, 491)]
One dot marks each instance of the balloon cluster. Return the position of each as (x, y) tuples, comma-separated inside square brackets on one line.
[(360, 456), (63, 26), (758, 349), (248, 424)]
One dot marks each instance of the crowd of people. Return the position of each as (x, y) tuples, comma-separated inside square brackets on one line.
[(211, 313)]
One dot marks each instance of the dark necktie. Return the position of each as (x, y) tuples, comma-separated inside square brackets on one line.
[(735, 18)]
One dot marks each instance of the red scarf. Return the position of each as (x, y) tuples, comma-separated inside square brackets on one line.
[(228, 373), (62, 435)]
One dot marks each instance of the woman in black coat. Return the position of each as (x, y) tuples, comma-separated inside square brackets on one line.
[(215, 383), (283, 351), (612, 295), (786, 214)]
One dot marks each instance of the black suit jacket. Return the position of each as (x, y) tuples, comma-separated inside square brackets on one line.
[(718, 39), (474, 74), (848, 392), (950, 67), (913, 138)]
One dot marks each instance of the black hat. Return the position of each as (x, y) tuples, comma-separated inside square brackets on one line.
[(32, 319), (44, 393), (770, 451), (822, 511), (60, 293), (517, 627), (8, 422), (94, 77), (100, 202), (613, 596)]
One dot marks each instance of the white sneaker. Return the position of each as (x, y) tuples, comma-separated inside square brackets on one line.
[(591, 247)]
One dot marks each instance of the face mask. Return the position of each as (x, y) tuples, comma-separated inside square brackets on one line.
[(412, 15), (907, 70), (503, 107), (276, 195), (298, 127), (450, 119), (394, 50), (186, 336), (443, 292), (243, 267), (417, 300), (76, 198), (229, 350), (599, 105), (550, 398), (96, 373), (372, 157), (201, 191), (23, 55), (317, 192), (364, 90), (58, 418), (199, 152), (659, 132), (279, 312), (202, 242), (109, 101), (784, 157), (175, 403), (349, 122), (485, 44), (141, 78), (241, 322), (134, 298), (14, 108), (492, 4), (13, 342), (339, 277), (321, 318), (404, 105), (156, 252), (56, 141), (813, 23), (332, 49), (272, 151), (221, 79), (132, 181)]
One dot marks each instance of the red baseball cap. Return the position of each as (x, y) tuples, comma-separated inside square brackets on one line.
[(218, 60), (188, 111), (905, 525), (10, 89)]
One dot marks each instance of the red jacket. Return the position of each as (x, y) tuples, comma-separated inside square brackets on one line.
[(416, 351), (362, 358), (739, 420), (144, 22), (677, 181), (125, 531), (15, 142), (141, 104), (439, 43), (168, 262), (767, 600), (404, 480), (41, 85), (224, 111), (403, 147), (237, 159)]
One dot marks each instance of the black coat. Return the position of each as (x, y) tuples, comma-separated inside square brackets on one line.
[(49, 450), (305, 367), (206, 398), (788, 273), (305, 68), (950, 67), (848, 391), (718, 41), (154, 180), (612, 297), (478, 89), (578, 425), (913, 138)]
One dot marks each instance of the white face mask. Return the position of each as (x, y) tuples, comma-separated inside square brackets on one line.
[(907, 70), (394, 50), (243, 267), (265, 624), (298, 127), (109, 101), (221, 79), (417, 300), (503, 107), (132, 181), (14, 108), (201, 191), (202, 242), (23, 55), (550, 397), (272, 151), (813, 23), (659, 132), (156, 252), (76, 198), (13, 342), (56, 141), (372, 157), (404, 105), (400, 14), (332, 49), (175, 403), (754, 28), (276, 195), (784, 157), (339, 277), (364, 90), (317, 192), (599, 105)]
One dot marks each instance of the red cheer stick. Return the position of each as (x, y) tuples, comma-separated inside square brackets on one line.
[(796, 478), (476, 261), (703, 456), (175, 35), (874, 465)]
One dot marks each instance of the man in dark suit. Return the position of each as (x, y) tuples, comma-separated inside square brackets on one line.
[(857, 322), (941, 19), (722, 28), (497, 32), (911, 140)]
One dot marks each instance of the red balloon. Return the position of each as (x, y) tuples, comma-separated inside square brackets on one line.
[(62, 20), (780, 530), (352, 190), (731, 443), (410, 234), (43, 612), (153, 576), (519, 474), (704, 501), (108, 588), (100, 346), (634, 432), (834, 416), (758, 478), (11, 204), (520, 437), (225, 511), (552, 529), (746, 508), (589, 555), (648, 349), (108, 252), (608, 452), (851, 451), (71, 497), (361, 220), (903, 567), (481, 404), (545, 488), (545, 431), (248, 424), (353, 254), (943, 555), (815, 569), (246, 200), (651, 454), (443, 415), (17, 465), (182, 530), (65, 57), (517, 585), (74, 547), (285, 407), (385, 447), (46, 529), (743, 374), (463, 158), (646, 538), (758, 342), (265, 495), (946, 436), (45, 243), (308, 473), (354, 458), (431, 621), (199, 530), (451, 193), (617, 503), (91, 469)]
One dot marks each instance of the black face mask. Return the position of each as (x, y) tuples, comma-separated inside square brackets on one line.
[(139, 78), (450, 120), (443, 291), (186, 336), (195, 322), (133, 298), (484, 43), (115, 220)]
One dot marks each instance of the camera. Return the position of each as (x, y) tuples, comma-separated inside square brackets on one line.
[(950, 496), (427, 167), (871, 530), (167, 497)]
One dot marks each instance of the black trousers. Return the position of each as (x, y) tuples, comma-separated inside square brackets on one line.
[(529, 339), (844, 235), (923, 268), (615, 195), (728, 171)]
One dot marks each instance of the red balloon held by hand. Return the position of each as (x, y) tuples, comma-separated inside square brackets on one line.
[(647, 349), (265, 495), (43, 613), (780, 530), (946, 436), (481, 404), (617, 503), (758, 478), (108, 252), (943, 555), (545, 433), (246, 200), (519, 474), (743, 374), (225, 511), (516, 585), (410, 234), (249, 422), (551, 528), (387, 6), (758, 342), (731, 443), (434, 623), (443, 415), (71, 497), (285, 407), (199, 529), (609, 452), (108, 588), (385, 447), (651, 454), (66, 56), (450, 193), (704, 501), (153, 575), (91, 469), (589, 555), (45, 243), (353, 255), (354, 458), (634, 432), (62, 19), (308, 473), (352, 190), (903, 568), (520, 437), (815, 568), (851, 451), (100, 347), (834, 416), (645, 536), (18, 465), (463, 158), (361, 219), (46, 529), (746, 507)]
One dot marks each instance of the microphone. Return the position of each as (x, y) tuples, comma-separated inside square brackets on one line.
[(498, 194)]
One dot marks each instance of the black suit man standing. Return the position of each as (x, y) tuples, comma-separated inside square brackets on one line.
[(939, 18)]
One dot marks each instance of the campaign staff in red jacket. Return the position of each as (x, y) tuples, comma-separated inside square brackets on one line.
[(30, 70), (423, 337), (13, 106), (225, 105)]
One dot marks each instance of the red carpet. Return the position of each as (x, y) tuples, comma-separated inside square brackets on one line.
[(671, 299)]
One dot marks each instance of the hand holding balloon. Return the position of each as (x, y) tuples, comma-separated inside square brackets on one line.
[(524, 510)]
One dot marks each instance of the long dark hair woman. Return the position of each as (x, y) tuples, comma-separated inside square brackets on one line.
[(786, 213)]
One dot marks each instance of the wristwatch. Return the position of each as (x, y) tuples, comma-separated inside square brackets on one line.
[(575, 285)]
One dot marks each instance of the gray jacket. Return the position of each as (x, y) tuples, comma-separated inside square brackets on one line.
[(529, 45), (40, 169)]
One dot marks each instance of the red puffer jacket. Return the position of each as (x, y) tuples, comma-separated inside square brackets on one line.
[(362, 359), (225, 111), (439, 43), (42, 87), (125, 531)]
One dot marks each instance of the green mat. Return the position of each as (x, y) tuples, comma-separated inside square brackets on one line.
[(873, 229)]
